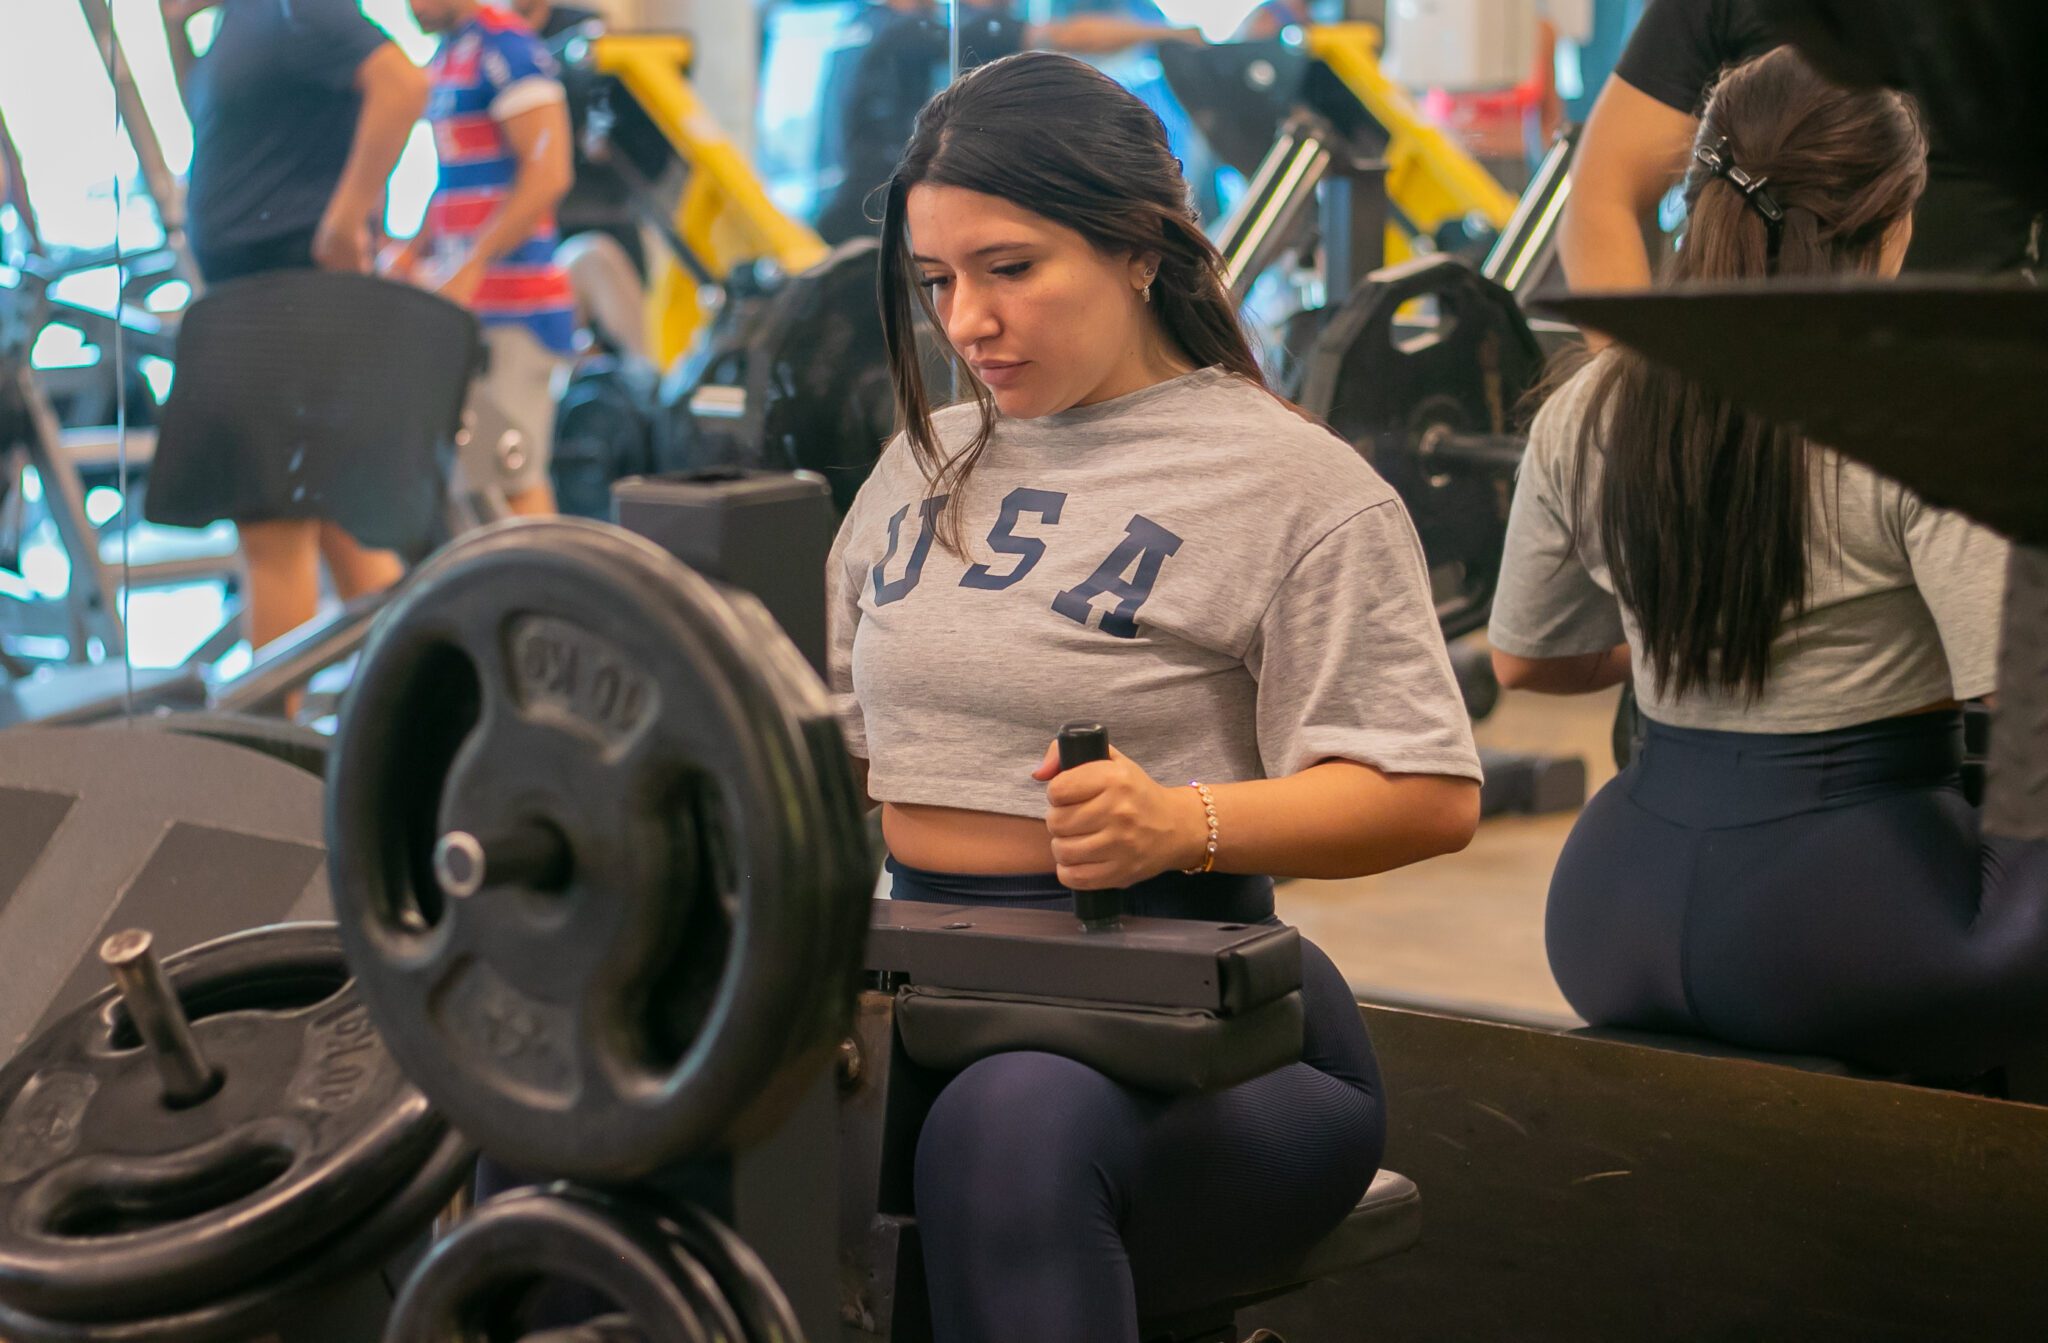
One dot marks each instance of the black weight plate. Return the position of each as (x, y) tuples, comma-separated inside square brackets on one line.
[(485, 1268), (833, 870), (1382, 387), (253, 1312), (1237, 93), (745, 1281), (818, 366), (603, 1329), (604, 431), (834, 864), (112, 1203), (841, 860), (669, 998), (797, 381)]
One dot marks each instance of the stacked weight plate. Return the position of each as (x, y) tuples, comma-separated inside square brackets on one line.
[(595, 852), (205, 1150), (600, 869)]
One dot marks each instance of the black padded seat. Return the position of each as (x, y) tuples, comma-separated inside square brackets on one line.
[(1386, 1221)]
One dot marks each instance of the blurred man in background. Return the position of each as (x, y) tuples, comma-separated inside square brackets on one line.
[(501, 132)]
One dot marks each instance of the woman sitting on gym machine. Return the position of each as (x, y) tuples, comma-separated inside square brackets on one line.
[(1789, 863), (1123, 525)]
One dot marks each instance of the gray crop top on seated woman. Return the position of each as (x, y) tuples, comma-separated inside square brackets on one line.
[(1223, 584), (1903, 609)]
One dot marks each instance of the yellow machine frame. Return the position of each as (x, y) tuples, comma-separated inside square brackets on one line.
[(724, 214), (1431, 180)]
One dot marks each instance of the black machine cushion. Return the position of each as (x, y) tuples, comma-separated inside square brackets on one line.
[(1164, 1049)]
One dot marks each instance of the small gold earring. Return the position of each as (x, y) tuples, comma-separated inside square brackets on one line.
[(1147, 291)]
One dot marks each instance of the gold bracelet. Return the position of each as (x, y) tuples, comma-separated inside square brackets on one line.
[(1209, 809)]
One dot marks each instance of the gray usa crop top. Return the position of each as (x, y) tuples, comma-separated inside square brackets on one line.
[(1225, 585)]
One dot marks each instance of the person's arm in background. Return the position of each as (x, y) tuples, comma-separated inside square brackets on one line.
[(394, 93), (531, 109), (1268, 20), (1549, 103), (1634, 148), (539, 139), (1636, 141), (403, 261), (1584, 674), (1101, 34)]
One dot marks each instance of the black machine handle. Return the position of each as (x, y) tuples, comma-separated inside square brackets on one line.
[(1081, 744)]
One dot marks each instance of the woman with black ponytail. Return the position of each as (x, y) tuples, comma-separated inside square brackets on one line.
[(1789, 863), (1120, 523)]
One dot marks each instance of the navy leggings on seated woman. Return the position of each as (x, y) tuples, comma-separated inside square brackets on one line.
[(1823, 892), (1055, 1203)]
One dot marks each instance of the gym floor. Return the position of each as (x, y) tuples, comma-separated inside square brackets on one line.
[(1467, 929)]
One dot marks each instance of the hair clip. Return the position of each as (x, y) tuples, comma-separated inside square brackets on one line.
[(1716, 159)]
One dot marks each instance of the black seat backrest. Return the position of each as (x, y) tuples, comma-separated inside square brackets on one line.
[(327, 395)]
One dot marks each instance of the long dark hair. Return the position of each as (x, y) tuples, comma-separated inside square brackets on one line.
[(1705, 510), (1061, 139)]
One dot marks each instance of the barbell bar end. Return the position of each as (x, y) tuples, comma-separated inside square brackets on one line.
[(159, 1017), (459, 863), (534, 854)]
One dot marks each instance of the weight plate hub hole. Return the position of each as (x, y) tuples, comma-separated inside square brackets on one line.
[(97, 1208)]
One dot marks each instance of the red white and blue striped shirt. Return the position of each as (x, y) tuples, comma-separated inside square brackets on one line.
[(492, 69)]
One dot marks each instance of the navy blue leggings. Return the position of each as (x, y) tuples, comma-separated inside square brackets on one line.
[(1822, 893), (1054, 1203)]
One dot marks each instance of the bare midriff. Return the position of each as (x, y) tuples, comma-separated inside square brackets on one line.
[(951, 839), (1939, 706)]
